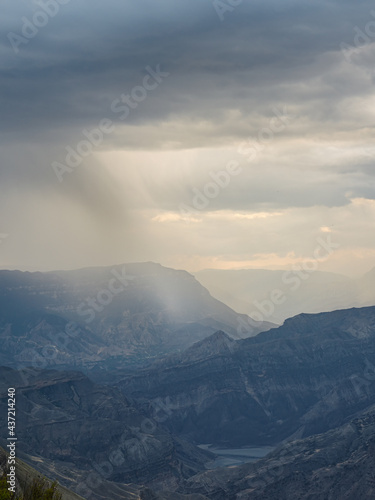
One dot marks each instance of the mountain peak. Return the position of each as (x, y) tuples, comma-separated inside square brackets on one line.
[(218, 337), (219, 343)]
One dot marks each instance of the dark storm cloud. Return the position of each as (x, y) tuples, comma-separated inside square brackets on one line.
[(89, 53)]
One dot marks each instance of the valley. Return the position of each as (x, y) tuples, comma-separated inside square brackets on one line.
[(234, 456), (182, 410)]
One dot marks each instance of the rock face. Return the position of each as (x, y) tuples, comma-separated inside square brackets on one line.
[(336, 465), (69, 421), (122, 316), (303, 378)]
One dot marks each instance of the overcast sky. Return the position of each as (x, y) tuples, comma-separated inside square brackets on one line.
[(268, 91)]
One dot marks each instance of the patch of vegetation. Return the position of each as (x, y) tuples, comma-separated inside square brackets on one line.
[(4, 493), (39, 489)]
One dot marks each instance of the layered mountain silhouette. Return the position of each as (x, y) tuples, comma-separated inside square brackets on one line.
[(113, 317)]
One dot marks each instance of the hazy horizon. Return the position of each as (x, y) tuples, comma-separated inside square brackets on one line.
[(191, 271)]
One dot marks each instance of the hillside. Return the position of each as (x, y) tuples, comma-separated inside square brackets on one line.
[(26, 475)]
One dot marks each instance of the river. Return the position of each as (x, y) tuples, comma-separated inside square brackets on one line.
[(227, 457)]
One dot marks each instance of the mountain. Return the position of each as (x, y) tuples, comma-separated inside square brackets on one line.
[(114, 317), (300, 379), (250, 291), (336, 465), (216, 344), (69, 428)]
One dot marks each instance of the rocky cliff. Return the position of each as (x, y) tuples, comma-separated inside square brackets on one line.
[(302, 378)]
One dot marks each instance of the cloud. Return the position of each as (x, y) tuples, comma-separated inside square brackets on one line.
[(225, 81), (86, 56)]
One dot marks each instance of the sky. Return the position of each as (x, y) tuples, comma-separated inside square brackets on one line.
[(194, 133)]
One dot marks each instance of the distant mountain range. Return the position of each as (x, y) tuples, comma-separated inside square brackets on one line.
[(252, 291), (113, 317)]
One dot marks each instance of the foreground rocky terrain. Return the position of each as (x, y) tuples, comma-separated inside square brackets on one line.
[(335, 465), (300, 379), (26, 475), (111, 318), (70, 427), (103, 490)]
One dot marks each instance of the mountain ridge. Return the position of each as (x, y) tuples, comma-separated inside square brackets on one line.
[(303, 377)]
